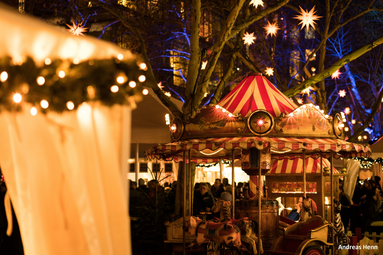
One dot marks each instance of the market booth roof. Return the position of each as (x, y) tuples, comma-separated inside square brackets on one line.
[(255, 92), (295, 166)]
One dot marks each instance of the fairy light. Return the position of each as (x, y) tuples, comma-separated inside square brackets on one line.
[(167, 119), (141, 78), (17, 98), (61, 74), (3, 76), (353, 122), (76, 61), (217, 106), (365, 137), (33, 111), (44, 104), (145, 92), (360, 137), (346, 129), (347, 110), (47, 61), (143, 66), (132, 84), (40, 80), (120, 56), (70, 105), (114, 88), (120, 79)]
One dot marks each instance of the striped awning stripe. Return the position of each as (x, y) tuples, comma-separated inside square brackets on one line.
[(256, 92), (291, 166)]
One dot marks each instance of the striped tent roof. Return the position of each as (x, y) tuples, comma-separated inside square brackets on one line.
[(256, 92), (295, 166)]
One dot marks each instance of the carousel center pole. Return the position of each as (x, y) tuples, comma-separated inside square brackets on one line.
[(332, 200), (232, 186), (190, 184), (184, 203), (304, 174)]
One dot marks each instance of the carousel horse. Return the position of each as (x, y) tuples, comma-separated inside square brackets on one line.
[(340, 238), (222, 232), (248, 234), (223, 205), (307, 210)]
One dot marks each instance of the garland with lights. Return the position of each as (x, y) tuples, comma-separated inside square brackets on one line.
[(367, 162), (60, 85)]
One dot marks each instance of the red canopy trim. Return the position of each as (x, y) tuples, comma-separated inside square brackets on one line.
[(295, 166), (255, 92)]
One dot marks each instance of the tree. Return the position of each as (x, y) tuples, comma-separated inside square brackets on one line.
[(195, 48)]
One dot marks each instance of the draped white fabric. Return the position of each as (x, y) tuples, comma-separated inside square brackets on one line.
[(350, 180), (66, 174)]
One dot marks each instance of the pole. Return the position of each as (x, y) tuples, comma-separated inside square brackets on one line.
[(232, 185), (304, 174), (190, 184), (259, 204), (184, 203), (322, 184), (137, 166), (220, 170), (331, 200)]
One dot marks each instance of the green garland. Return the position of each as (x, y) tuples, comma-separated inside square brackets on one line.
[(368, 162), (95, 76)]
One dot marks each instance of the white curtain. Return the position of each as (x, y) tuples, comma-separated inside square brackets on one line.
[(350, 180), (66, 175)]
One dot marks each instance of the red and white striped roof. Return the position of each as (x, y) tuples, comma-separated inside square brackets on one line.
[(295, 166), (255, 92)]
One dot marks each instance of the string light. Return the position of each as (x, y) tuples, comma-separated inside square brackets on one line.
[(3, 76), (61, 74), (347, 110), (141, 78), (120, 56), (17, 98), (145, 92), (120, 79), (33, 111), (70, 105), (114, 88), (132, 84), (47, 61), (44, 104), (76, 61), (346, 129), (40, 80), (143, 66)]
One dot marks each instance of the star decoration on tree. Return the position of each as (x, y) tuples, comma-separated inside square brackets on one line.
[(307, 90), (342, 93), (300, 101), (269, 71), (307, 18), (336, 74), (160, 85), (204, 64), (76, 29), (248, 38), (255, 3), (271, 29)]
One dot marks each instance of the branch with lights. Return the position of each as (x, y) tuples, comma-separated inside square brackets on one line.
[(61, 85)]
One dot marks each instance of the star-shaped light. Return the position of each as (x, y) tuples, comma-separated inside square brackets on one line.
[(76, 29), (248, 38), (347, 111), (260, 122), (168, 94), (307, 90), (336, 74), (160, 85), (269, 71), (342, 93), (271, 29), (256, 3), (307, 18), (300, 101), (204, 63)]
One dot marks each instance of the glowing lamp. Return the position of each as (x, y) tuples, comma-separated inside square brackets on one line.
[(223, 110), (360, 137), (313, 69), (47, 61), (141, 78), (365, 137), (33, 111), (173, 128), (217, 106), (145, 92), (3, 76), (114, 88), (70, 105), (346, 129), (120, 56), (44, 104), (40, 80), (17, 98), (167, 119), (260, 122), (353, 121), (143, 66), (230, 115), (76, 61), (120, 79), (132, 84), (347, 110), (61, 74)]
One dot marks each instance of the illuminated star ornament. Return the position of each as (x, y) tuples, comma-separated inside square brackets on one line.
[(269, 71), (271, 29), (255, 3), (342, 93), (300, 101), (76, 29), (160, 85), (307, 90), (204, 63), (336, 74), (248, 38), (307, 18), (260, 122)]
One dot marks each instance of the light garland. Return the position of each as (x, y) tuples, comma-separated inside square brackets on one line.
[(50, 87), (367, 162), (225, 111)]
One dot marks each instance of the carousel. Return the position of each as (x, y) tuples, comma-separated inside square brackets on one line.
[(291, 147)]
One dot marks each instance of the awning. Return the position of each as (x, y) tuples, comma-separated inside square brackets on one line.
[(256, 92), (295, 166)]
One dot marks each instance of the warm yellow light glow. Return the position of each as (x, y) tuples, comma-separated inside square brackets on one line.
[(347, 110), (143, 66), (360, 137), (120, 79), (342, 93), (70, 105), (248, 39), (160, 85), (17, 98), (168, 94), (300, 101), (76, 29), (120, 56), (47, 61), (91, 91), (353, 122), (114, 88), (271, 29), (336, 74), (145, 92), (307, 90), (346, 129), (307, 18), (167, 119), (223, 110), (76, 61), (365, 137), (204, 64), (40, 80), (211, 153), (44, 104), (269, 71), (313, 69), (216, 106), (141, 78), (3, 76), (132, 84), (33, 111), (61, 74), (230, 115), (255, 3)]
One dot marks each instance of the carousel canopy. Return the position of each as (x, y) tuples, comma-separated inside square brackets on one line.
[(295, 166), (255, 92)]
